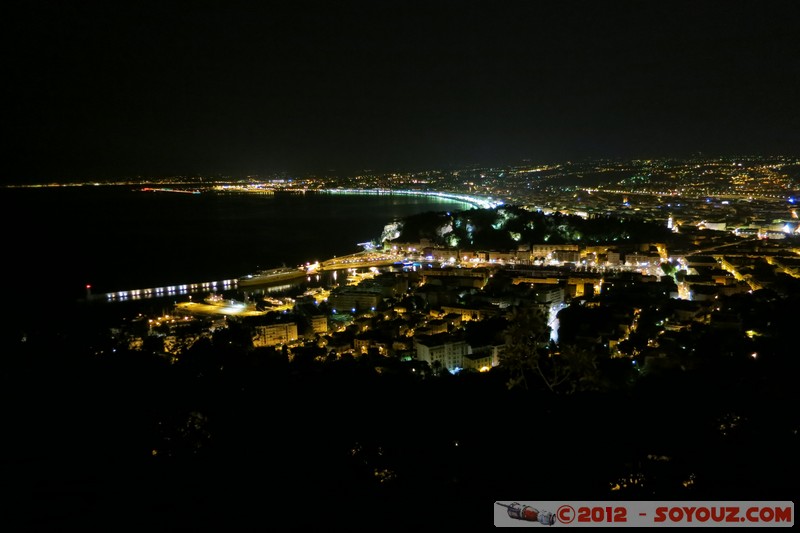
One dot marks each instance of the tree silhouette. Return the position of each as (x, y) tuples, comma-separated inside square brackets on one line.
[(526, 334), (562, 369)]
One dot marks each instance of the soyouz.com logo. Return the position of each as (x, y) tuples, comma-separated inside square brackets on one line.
[(645, 514)]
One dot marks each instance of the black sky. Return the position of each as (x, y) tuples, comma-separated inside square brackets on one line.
[(97, 90)]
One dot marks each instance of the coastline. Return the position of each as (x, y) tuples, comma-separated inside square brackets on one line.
[(205, 239), (474, 201)]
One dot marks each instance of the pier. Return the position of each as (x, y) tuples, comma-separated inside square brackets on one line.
[(160, 292), (358, 260)]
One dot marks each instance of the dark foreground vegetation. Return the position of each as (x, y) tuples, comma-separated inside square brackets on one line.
[(231, 439)]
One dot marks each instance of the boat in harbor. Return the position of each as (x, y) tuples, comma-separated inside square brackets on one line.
[(263, 277)]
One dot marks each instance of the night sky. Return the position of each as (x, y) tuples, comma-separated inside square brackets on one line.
[(96, 90)]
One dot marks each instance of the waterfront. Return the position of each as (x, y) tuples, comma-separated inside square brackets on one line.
[(327, 278), (117, 238)]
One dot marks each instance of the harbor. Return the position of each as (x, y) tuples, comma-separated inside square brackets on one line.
[(284, 277)]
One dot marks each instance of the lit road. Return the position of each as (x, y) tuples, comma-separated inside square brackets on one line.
[(226, 307)]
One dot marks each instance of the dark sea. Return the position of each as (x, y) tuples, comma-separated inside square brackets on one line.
[(114, 238)]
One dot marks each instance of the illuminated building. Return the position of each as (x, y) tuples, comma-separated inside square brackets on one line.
[(273, 334)]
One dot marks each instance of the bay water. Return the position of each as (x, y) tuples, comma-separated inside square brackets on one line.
[(58, 240)]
